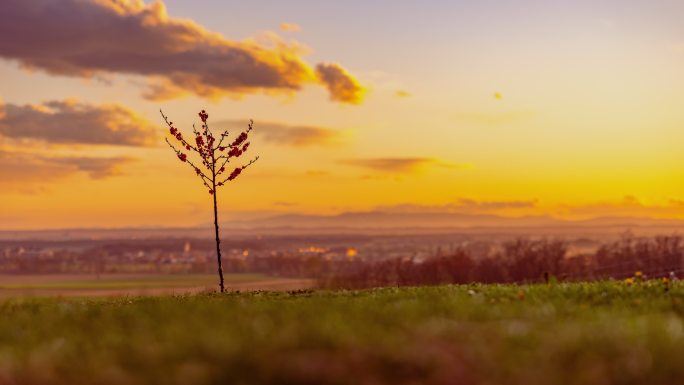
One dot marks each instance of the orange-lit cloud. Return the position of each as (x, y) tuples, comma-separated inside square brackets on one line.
[(341, 85), (96, 168), (291, 135), (399, 165), (676, 202), (23, 171), (88, 38), (402, 94), (628, 206), (72, 122), (463, 205), (290, 27), (472, 204)]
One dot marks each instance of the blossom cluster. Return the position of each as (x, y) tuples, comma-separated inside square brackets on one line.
[(212, 155)]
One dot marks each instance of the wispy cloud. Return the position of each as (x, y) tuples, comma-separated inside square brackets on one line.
[(71, 122), (90, 38), (95, 168), (464, 205), (400, 165), (284, 204), (24, 171), (472, 204), (290, 27), (629, 205), (290, 135), (676, 202)]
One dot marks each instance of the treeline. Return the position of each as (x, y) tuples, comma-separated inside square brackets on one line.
[(520, 261)]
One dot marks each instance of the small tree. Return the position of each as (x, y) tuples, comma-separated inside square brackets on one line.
[(214, 157)]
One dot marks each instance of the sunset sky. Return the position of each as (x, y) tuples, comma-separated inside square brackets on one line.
[(573, 109)]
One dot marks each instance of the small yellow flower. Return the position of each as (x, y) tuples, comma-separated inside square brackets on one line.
[(666, 280), (638, 274), (629, 280)]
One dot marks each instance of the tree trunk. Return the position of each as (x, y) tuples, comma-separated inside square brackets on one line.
[(216, 228)]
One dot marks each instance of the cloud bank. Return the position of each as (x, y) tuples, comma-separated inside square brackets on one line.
[(87, 38), (72, 122), (19, 169)]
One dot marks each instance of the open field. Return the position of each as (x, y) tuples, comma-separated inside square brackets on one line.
[(137, 284), (593, 333)]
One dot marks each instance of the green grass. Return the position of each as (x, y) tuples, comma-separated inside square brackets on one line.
[(144, 281), (595, 333)]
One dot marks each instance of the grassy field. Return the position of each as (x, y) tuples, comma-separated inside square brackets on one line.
[(137, 284), (594, 333)]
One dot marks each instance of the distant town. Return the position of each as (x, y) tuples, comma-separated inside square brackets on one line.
[(285, 255)]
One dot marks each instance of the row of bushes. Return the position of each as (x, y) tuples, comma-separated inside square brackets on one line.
[(520, 261)]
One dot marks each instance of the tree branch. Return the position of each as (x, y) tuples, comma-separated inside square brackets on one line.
[(183, 141), (224, 163), (224, 135), (251, 162), (198, 171)]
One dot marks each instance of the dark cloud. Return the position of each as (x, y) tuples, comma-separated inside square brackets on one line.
[(285, 134), (71, 122), (342, 86), (87, 38), (399, 165)]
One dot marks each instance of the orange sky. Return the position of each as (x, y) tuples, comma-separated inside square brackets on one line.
[(570, 110)]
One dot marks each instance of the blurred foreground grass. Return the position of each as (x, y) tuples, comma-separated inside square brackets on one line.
[(593, 333)]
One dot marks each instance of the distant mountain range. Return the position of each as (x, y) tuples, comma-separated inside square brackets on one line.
[(394, 220), (378, 222)]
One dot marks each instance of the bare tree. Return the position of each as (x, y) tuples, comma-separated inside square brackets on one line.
[(214, 156)]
